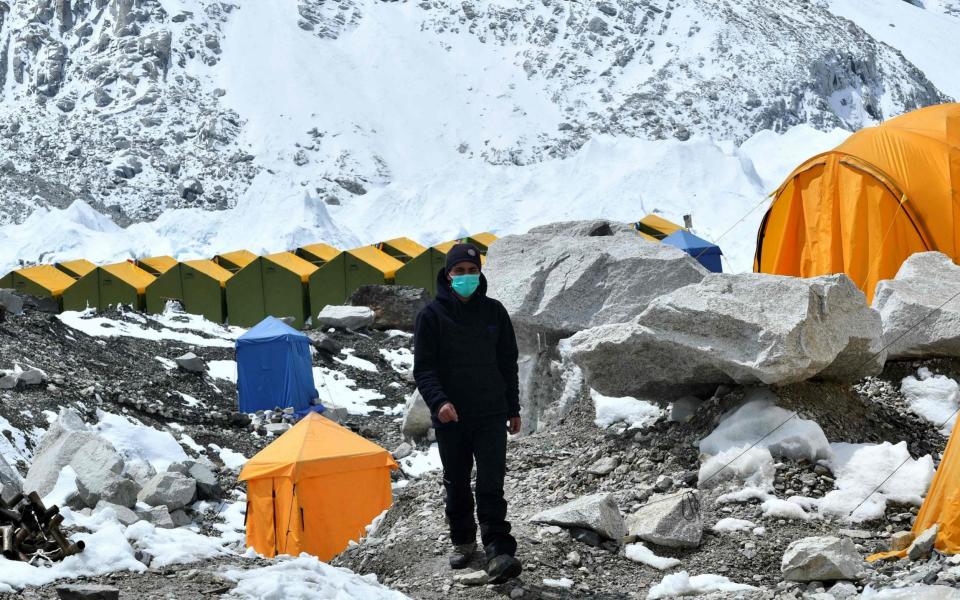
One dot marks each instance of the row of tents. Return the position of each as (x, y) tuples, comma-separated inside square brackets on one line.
[(241, 284), (296, 284)]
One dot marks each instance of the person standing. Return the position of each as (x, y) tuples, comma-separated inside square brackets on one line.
[(465, 366)]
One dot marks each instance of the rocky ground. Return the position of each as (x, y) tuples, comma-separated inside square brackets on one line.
[(570, 459), (551, 467)]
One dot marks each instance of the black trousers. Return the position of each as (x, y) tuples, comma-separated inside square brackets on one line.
[(460, 444)]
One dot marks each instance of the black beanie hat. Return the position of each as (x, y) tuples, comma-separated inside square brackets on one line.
[(463, 253)]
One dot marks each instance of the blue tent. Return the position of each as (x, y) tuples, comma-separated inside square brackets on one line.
[(274, 368), (706, 253)]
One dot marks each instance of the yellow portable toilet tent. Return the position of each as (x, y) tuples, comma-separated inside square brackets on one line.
[(314, 489), (319, 254), (236, 260), (339, 277), (402, 248), (274, 285), (42, 281), (422, 271), (868, 204), (119, 283), (76, 268)]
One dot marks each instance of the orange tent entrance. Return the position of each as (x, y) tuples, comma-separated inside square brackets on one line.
[(314, 489)]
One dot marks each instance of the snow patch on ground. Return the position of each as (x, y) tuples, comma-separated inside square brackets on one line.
[(338, 390), (103, 327), (223, 369), (641, 554), (231, 458), (420, 462), (354, 361), (683, 584), (732, 525), (400, 359), (858, 468), (65, 487), (306, 577), (936, 398), (635, 413), (13, 449), (136, 441)]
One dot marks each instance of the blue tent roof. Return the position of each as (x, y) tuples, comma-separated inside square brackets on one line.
[(694, 245), (274, 368), (707, 254), (268, 330)]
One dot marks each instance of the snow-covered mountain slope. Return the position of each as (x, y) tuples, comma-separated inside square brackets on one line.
[(356, 120)]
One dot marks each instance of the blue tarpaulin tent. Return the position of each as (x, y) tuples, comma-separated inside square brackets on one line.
[(706, 253), (274, 368)]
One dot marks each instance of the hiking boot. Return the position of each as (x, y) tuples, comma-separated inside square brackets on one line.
[(460, 558), (503, 567)]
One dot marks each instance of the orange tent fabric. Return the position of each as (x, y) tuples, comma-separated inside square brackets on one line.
[(314, 489), (868, 204)]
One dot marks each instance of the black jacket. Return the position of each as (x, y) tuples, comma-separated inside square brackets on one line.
[(466, 353)]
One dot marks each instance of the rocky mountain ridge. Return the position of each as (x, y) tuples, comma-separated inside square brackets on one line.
[(127, 103)]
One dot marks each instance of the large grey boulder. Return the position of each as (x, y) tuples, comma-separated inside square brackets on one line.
[(562, 278), (394, 306), (11, 302), (346, 317), (416, 417), (208, 487), (158, 516), (671, 520), (735, 329), (914, 322), (597, 512), (824, 558), (11, 483), (66, 436), (191, 362), (171, 489), (99, 467)]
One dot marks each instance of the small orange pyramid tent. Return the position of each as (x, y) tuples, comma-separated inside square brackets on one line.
[(868, 204), (314, 489)]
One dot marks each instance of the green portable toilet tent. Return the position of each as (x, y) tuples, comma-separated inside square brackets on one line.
[(156, 265), (318, 254), (119, 283), (42, 281), (421, 272), (482, 241), (200, 285), (273, 285), (402, 248), (340, 276), (76, 268), (236, 260)]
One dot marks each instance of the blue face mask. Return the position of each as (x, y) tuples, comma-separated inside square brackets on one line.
[(465, 285)]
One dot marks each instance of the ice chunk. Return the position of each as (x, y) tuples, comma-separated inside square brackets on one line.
[(641, 554), (635, 413), (730, 525), (760, 421), (933, 397)]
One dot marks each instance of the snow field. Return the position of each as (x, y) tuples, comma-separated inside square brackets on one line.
[(433, 204)]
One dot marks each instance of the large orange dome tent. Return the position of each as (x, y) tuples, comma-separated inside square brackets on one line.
[(868, 204)]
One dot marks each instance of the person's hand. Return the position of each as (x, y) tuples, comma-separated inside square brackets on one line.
[(513, 425), (447, 413)]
